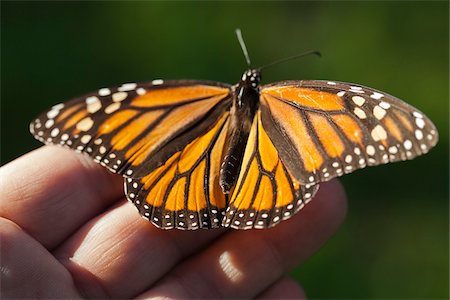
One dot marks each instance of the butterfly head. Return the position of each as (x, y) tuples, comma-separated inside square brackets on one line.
[(251, 77)]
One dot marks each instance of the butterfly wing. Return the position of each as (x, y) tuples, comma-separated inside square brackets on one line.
[(325, 129), (265, 192), (134, 128), (184, 192)]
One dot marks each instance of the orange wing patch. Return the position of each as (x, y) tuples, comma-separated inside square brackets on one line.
[(308, 98), (265, 192), (184, 192), (177, 95), (393, 128), (329, 138), (132, 130), (349, 127), (294, 127), (116, 120)]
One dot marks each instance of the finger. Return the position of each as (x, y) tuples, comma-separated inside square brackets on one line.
[(244, 263), (28, 270), (119, 254), (284, 288), (52, 191)]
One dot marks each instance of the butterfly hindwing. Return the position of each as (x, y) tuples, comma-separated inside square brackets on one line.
[(265, 193), (134, 128), (184, 192), (324, 129)]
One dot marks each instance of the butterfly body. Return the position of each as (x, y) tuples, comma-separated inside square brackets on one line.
[(242, 113), (201, 154)]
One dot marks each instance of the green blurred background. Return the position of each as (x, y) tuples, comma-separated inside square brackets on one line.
[(394, 243)]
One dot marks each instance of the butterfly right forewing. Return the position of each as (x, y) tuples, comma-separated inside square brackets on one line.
[(324, 129)]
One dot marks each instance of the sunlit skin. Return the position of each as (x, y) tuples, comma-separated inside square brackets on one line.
[(68, 232)]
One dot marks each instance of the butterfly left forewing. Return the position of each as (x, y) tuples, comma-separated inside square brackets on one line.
[(134, 128), (324, 129), (265, 193)]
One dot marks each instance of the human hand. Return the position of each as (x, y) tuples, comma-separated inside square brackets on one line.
[(67, 232)]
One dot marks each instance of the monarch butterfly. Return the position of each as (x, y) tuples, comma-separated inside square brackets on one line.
[(202, 154)]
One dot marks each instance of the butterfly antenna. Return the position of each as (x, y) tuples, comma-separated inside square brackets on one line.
[(291, 58), (244, 49)]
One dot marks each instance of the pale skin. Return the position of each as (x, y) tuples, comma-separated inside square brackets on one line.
[(67, 231)]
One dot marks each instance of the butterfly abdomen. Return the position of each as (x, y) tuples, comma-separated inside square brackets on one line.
[(245, 105)]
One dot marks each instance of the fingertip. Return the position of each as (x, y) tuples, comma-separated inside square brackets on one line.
[(332, 196), (28, 270), (51, 191), (285, 288)]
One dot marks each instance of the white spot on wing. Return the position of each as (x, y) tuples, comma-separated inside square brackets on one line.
[(93, 104), (54, 132), (420, 123), (360, 113), (85, 138), (140, 91), (370, 150), (52, 113), (419, 134), (127, 87), (384, 105), (58, 106), (379, 112), (112, 107), (417, 115), (157, 82), (348, 159), (85, 124), (104, 92), (358, 100), (119, 96), (49, 123), (376, 95), (407, 144), (393, 150)]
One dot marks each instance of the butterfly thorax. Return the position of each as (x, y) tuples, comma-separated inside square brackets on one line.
[(245, 105)]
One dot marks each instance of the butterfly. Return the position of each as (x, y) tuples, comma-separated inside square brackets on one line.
[(202, 154)]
